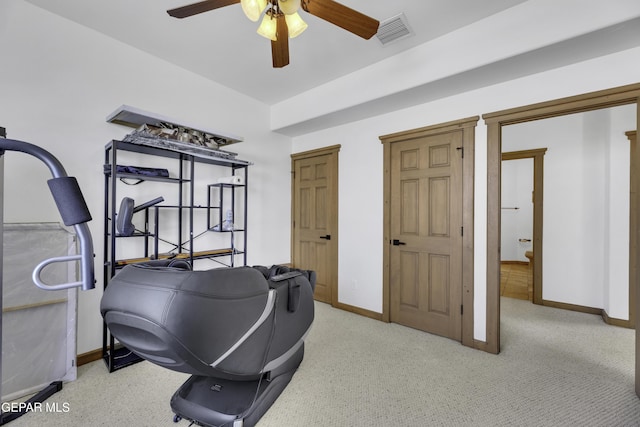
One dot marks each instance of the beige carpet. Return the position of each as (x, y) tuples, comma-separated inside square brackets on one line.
[(556, 368)]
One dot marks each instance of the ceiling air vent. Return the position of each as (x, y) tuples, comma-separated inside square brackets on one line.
[(393, 29)]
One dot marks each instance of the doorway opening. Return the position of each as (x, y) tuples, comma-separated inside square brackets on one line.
[(495, 121), (586, 200), (522, 221)]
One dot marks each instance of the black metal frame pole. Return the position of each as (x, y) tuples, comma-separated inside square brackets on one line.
[(81, 228), (3, 134)]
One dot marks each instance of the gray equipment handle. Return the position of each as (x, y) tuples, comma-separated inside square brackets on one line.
[(73, 209)]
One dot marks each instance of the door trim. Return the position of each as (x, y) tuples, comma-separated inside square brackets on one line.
[(333, 151), (467, 127), (622, 95), (633, 225), (538, 202)]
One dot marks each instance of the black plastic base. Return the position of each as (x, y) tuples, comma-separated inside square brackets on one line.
[(40, 397), (217, 402), (121, 358)]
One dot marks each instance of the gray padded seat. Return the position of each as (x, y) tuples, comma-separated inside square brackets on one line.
[(242, 327)]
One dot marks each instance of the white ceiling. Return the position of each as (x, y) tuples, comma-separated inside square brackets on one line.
[(222, 44)]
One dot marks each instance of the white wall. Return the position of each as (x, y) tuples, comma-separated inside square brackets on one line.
[(524, 39), (617, 295), (586, 205), (361, 161), (59, 81)]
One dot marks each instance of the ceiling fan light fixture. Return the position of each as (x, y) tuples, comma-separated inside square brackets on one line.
[(289, 7), (253, 8), (268, 28), (295, 24), (281, 20)]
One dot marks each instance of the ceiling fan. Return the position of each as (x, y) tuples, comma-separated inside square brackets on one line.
[(281, 20)]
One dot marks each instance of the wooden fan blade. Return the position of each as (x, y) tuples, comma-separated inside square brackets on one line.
[(196, 8), (280, 47), (343, 16)]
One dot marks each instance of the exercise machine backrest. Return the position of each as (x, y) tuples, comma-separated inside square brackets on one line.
[(226, 322)]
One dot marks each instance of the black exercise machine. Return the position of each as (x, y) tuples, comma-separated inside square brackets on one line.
[(74, 212)]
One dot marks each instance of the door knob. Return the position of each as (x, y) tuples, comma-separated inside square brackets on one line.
[(327, 237), (397, 242)]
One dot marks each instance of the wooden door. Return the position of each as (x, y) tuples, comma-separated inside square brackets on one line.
[(426, 233), (315, 219)]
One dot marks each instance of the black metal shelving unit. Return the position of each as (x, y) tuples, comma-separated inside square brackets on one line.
[(115, 355)]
